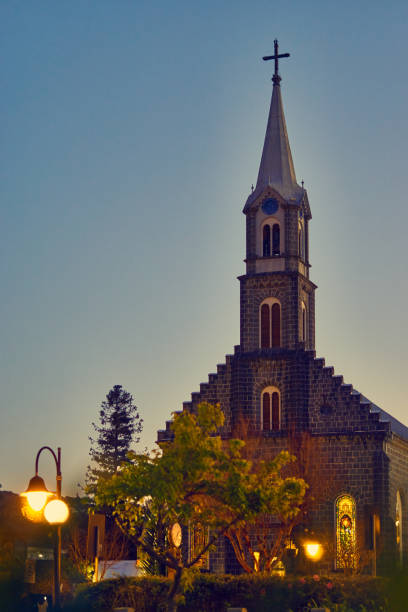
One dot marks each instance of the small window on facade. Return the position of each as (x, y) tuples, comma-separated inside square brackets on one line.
[(275, 239), (345, 533), (270, 324), (266, 241), (270, 409)]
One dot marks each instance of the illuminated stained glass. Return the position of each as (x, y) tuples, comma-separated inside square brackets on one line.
[(345, 532), (198, 539), (398, 526)]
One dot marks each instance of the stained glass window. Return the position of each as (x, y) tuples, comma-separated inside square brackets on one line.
[(198, 539), (345, 532), (398, 525)]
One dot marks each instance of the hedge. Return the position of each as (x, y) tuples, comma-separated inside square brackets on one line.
[(212, 593)]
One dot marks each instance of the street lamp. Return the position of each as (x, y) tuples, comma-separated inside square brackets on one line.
[(56, 511)]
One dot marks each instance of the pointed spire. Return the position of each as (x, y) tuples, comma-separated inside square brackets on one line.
[(276, 168)]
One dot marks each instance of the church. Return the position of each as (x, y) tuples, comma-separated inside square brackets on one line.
[(276, 384)]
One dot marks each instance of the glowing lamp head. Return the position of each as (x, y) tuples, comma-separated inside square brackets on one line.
[(313, 550), (37, 493), (56, 512)]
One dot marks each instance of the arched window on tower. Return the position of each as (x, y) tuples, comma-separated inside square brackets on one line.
[(398, 527), (271, 234), (270, 409), (270, 323), (266, 238), (345, 532), (301, 239), (275, 239), (303, 331)]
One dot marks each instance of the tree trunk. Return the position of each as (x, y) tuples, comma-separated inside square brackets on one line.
[(173, 592)]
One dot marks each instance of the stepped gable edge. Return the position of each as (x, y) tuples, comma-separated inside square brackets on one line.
[(216, 390)]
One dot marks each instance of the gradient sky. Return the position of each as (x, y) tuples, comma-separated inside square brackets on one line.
[(131, 132)]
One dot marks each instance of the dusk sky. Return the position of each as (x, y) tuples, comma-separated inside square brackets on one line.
[(131, 132)]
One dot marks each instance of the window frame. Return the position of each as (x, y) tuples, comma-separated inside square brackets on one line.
[(271, 391), (270, 302)]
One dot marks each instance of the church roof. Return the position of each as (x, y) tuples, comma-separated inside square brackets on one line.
[(276, 168), (396, 426)]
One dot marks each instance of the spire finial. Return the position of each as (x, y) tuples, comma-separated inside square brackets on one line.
[(276, 78)]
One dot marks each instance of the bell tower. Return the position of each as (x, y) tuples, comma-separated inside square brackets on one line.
[(277, 296)]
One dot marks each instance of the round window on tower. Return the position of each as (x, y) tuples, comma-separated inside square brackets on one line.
[(270, 206)]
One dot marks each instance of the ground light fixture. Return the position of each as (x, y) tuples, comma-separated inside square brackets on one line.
[(313, 550), (56, 511)]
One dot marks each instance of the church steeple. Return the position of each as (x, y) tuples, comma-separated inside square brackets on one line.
[(276, 168), (277, 296)]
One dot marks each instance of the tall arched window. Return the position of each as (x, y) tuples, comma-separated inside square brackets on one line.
[(345, 532), (198, 536), (398, 527), (270, 409), (265, 326), (270, 323), (271, 238), (276, 324), (301, 238), (275, 239), (266, 240), (303, 330)]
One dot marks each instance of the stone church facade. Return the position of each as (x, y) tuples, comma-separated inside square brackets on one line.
[(274, 382)]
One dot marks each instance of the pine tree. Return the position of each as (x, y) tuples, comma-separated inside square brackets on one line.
[(119, 426)]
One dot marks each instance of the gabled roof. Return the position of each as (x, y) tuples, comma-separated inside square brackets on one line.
[(397, 427), (276, 168)]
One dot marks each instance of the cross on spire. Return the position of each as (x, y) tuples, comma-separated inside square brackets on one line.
[(276, 78)]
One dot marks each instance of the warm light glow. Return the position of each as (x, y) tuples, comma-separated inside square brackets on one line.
[(257, 557), (36, 499), (56, 512), (313, 550)]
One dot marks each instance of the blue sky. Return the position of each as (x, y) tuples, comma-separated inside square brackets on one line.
[(131, 134)]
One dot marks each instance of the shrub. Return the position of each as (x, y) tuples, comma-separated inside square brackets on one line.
[(258, 593)]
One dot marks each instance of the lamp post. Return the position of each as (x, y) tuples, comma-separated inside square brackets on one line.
[(55, 511)]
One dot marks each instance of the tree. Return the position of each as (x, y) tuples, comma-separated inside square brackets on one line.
[(196, 479), (261, 545), (119, 426)]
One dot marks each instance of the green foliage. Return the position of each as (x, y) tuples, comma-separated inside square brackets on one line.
[(201, 478), (258, 593), (119, 426), (196, 478), (144, 594)]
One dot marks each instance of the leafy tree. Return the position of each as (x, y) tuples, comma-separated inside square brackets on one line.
[(197, 479), (119, 426)]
